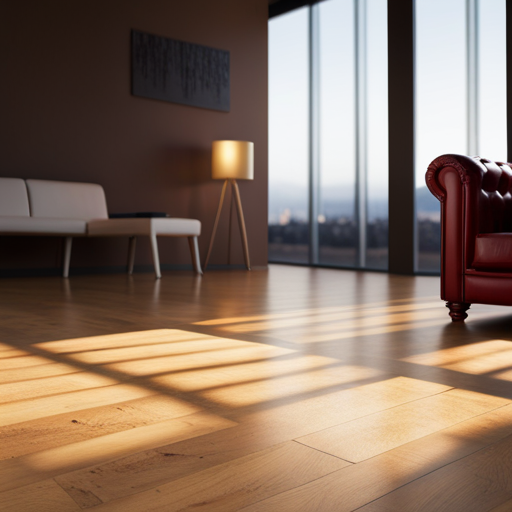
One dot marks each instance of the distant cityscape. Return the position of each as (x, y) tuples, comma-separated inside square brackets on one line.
[(337, 226)]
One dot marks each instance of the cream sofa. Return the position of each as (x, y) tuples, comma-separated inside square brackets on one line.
[(69, 209)]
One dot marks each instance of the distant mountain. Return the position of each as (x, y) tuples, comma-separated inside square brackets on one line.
[(338, 202), (335, 202), (425, 201)]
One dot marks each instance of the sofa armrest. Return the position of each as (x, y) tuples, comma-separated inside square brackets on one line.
[(456, 181), (475, 198)]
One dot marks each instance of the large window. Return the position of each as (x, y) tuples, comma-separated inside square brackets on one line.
[(328, 162), (492, 92), (460, 44), (328, 135), (337, 219), (289, 137), (377, 135)]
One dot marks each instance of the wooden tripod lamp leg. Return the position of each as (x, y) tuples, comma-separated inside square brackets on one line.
[(219, 209), (241, 221)]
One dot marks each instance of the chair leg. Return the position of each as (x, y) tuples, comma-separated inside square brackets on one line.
[(156, 260), (458, 310), (68, 241), (131, 253), (194, 252)]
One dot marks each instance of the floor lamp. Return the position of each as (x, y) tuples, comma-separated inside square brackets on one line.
[(232, 160)]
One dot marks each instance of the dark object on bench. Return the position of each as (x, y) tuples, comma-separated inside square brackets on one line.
[(143, 215)]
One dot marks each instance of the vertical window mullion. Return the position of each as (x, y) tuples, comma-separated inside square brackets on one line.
[(472, 74), (361, 127), (314, 135)]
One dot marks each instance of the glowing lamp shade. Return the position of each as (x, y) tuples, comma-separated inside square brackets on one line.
[(232, 159)]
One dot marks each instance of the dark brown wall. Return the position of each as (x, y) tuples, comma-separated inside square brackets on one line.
[(66, 113)]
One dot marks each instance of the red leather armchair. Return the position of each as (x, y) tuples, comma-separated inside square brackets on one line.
[(476, 231)]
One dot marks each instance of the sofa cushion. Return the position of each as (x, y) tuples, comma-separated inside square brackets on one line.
[(65, 199), (42, 226), (141, 226), (493, 251), (13, 197)]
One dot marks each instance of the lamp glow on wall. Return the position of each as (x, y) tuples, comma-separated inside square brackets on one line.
[(232, 160)]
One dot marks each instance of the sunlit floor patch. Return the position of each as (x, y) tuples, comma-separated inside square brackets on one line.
[(492, 358), (267, 381)]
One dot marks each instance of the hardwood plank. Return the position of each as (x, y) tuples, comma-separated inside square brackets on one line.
[(44, 496), (49, 463), (344, 490), (369, 436), (8, 352), (17, 412), (504, 507), (235, 484), (26, 390), (258, 430), (490, 357), (178, 340), (307, 349), (364, 482), (309, 316), (246, 382), (22, 361), (340, 321), (216, 353), (349, 330), (475, 483), (294, 383), (342, 403), (335, 334), (40, 371), (62, 429), (149, 347)]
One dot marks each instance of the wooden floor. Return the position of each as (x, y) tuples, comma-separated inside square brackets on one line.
[(292, 389)]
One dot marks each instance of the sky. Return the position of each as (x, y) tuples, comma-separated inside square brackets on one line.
[(440, 92)]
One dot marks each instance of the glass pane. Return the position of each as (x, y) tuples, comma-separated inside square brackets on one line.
[(337, 228), (440, 108), (288, 137), (492, 80), (377, 135)]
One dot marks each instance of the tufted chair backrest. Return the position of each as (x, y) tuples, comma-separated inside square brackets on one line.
[(495, 204)]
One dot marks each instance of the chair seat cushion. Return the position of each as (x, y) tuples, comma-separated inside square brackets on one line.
[(144, 226), (42, 226), (493, 251)]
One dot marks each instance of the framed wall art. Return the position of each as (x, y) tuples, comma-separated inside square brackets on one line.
[(180, 72)]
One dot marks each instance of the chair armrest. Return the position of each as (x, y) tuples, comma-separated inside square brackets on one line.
[(463, 166), (475, 198)]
